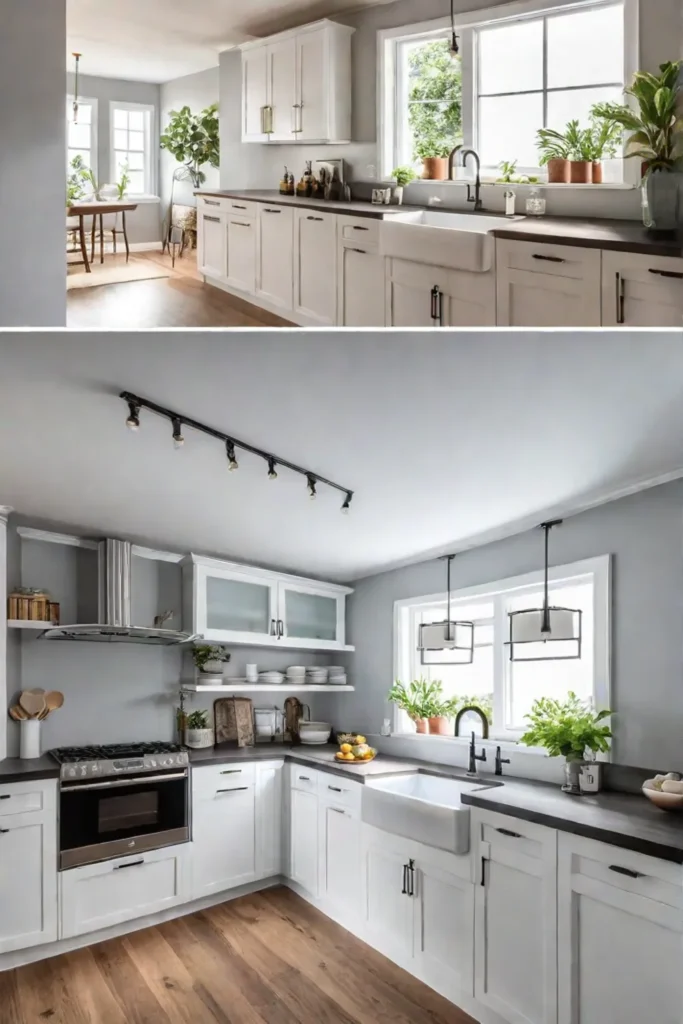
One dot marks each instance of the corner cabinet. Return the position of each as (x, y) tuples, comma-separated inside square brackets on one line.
[(236, 604), (296, 86)]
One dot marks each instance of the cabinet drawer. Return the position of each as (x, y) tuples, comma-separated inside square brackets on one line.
[(213, 204), (21, 798), (543, 258), (332, 789), (304, 778), (210, 780), (362, 230), (242, 208)]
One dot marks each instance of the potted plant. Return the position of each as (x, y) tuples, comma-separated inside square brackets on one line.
[(403, 176), (554, 154), (656, 139), (418, 700), (123, 183), (580, 142), (434, 105), (442, 713), (606, 140), (193, 140), (198, 732), (210, 659), (434, 153), (568, 729)]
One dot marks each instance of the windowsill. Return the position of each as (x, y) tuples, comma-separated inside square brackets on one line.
[(142, 199), (620, 186), (463, 741)]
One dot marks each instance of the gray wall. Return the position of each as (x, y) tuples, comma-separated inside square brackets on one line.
[(32, 156), (661, 39), (197, 92), (644, 533), (144, 224)]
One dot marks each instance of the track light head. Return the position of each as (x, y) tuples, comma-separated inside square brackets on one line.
[(232, 458), (312, 487), (272, 472), (133, 421), (346, 507), (178, 439)]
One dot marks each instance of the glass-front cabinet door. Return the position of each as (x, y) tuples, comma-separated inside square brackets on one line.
[(236, 607), (312, 616)]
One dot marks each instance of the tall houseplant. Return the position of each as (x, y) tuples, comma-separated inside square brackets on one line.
[(193, 140), (568, 729)]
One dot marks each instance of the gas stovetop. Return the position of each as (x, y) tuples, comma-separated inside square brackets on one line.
[(118, 758)]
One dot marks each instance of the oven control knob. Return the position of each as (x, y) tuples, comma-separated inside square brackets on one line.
[(72, 772), (152, 763)]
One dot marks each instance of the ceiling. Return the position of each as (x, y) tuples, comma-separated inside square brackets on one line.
[(158, 40), (447, 441)]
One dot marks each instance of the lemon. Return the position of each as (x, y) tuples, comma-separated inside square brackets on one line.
[(346, 748), (349, 757), (360, 740)]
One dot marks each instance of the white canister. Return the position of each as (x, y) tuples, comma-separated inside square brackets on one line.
[(29, 738), (590, 777), (198, 739), (252, 673)]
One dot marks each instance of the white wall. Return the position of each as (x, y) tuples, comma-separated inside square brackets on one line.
[(196, 91)]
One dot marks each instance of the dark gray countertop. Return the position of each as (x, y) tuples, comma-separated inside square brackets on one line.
[(620, 235), (13, 769)]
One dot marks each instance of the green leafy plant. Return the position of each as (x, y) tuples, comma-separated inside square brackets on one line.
[(434, 100), (653, 120), (75, 181), (484, 704), (419, 699), (203, 653), (508, 171), (551, 145), (403, 175), (197, 720), (123, 183), (567, 728), (193, 140), (579, 141), (607, 137)]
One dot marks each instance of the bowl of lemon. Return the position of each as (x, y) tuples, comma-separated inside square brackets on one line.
[(355, 750)]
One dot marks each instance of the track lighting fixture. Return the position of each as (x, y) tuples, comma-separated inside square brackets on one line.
[(274, 462)]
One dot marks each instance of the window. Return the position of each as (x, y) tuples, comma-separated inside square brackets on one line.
[(541, 68), (507, 688), (82, 135), (131, 146)]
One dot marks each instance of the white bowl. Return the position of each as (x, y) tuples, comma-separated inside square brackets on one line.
[(665, 801), (337, 680), (296, 670), (314, 733), (271, 677)]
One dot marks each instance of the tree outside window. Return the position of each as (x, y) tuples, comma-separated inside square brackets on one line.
[(434, 99)]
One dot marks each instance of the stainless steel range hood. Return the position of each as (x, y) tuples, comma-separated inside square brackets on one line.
[(114, 604)]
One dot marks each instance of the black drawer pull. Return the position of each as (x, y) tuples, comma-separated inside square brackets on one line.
[(236, 206), (5, 796), (335, 789), (214, 220), (363, 252), (315, 218), (267, 210), (626, 871), (236, 789), (549, 259), (667, 273), (507, 832), (133, 864), (4, 831), (621, 300), (483, 872), (240, 224), (211, 202), (357, 228), (404, 890), (304, 778), (232, 771)]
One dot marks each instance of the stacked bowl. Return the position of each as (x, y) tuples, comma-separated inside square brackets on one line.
[(336, 675), (316, 675), (296, 675), (271, 678)]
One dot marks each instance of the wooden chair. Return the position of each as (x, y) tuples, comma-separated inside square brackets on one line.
[(114, 232), (76, 243)]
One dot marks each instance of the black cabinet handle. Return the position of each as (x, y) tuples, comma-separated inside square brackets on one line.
[(235, 789), (507, 832), (357, 228), (267, 210), (273, 627), (236, 206), (626, 871), (411, 878), (621, 299), (280, 629), (212, 220), (667, 273), (315, 218), (548, 259), (483, 872), (335, 789), (4, 831), (304, 778), (404, 890), (233, 771), (133, 864), (5, 796), (363, 252)]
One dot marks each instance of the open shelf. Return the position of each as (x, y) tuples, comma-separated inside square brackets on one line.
[(29, 624), (241, 686)]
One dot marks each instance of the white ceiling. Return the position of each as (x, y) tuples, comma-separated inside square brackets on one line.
[(158, 40), (445, 440)]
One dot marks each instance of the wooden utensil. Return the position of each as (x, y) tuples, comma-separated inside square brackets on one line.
[(32, 703), (43, 714), (54, 700), (18, 713)]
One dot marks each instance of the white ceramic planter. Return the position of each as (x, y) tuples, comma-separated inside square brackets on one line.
[(29, 738), (213, 668), (198, 739)]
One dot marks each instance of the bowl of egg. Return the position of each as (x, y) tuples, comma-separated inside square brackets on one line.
[(665, 791)]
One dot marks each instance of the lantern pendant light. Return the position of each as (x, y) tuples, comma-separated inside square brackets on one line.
[(77, 58), (454, 47), (456, 638), (558, 629)]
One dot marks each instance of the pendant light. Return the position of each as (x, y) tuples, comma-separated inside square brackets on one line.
[(77, 59), (455, 638), (558, 629), (454, 47)]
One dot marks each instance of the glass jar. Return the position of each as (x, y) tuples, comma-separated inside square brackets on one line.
[(535, 203)]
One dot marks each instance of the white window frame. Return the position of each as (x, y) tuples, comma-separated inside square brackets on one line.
[(149, 169), (389, 86), (405, 634), (85, 100)]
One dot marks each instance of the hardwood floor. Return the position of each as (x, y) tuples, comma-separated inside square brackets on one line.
[(181, 300), (269, 958)]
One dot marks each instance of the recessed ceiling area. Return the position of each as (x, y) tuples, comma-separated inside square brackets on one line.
[(159, 40), (447, 441)]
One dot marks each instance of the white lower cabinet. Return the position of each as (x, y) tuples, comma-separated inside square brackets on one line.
[(101, 895), (241, 253), (315, 267), (641, 291), (223, 829), (211, 244), (275, 256), (361, 287), (28, 865), (620, 928), (418, 295), (269, 818), (543, 285), (515, 961), (303, 858), (339, 847)]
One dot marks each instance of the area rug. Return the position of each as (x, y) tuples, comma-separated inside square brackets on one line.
[(77, 277)]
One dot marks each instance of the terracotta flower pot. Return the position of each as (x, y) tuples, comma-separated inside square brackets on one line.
[(440, 727), (558, 172), (597, 172), (435, 168), (580, 172), (421, 725)]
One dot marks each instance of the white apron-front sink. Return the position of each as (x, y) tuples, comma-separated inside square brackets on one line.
[(457, 241)]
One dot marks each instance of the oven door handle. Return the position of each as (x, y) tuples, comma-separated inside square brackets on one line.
[(124, 782)]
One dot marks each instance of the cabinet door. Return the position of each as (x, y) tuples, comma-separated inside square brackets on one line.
[(361, 290), (315, 267), (28, 880), (641, 291), (619, 935), (282, 82), (211, 238), (233, 607), (547, 285), (223, 839), (471, 299), (515, 918), (417, 295), (313, 89), (255, 99), (304, 840), (312, 616), (340, 860), (269, 792), (444, 931), (241, 255), (388, 911), (275, 255)]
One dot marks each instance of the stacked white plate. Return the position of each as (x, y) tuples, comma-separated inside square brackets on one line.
[(316, 676), (296, 675), (271, 678), (336, 675)]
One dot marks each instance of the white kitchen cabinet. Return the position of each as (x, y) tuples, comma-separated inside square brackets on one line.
[(312, 615), (211, 243), (100, 895), (282, 89), (339, 846), (255, 94), (28, 865), (388, 911), (223, 838), (641, 291), (544, 285), (241, 253), (361, 287), (275, 255), (620, 930), (444, 930), (269, 806), (515, 936), (303, 858), (419, 295), (315, 267)]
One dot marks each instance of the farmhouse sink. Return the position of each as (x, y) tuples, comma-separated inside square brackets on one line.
[(421, 807), (457, 241)]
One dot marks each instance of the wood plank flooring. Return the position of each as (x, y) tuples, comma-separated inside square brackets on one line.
[(181, 300), (269, 958)]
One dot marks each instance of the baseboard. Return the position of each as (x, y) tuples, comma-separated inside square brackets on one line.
[(121, 248), (268, 307)]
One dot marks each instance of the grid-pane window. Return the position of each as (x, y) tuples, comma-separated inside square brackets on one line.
[(430, 84), (81, 133), (131, 147)]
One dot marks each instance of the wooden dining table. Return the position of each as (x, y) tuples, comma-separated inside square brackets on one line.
[(97, 210)]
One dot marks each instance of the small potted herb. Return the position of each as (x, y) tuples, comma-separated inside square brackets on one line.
[(210, 659), (198, 732), (420, 700), (606, 140), (434, 153), (403, 176), (554, 149), (568, 729), (580, 141)]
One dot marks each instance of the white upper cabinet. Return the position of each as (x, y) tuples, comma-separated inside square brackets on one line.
[(228, 603), (296, 87)]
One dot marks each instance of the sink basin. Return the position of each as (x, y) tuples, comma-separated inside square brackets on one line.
[(458, 241), (422, 807)]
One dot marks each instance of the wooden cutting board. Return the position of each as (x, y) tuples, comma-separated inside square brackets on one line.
[(234, 721)]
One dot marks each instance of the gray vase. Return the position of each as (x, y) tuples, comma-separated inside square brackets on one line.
[(572, 776), (662, 205)]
